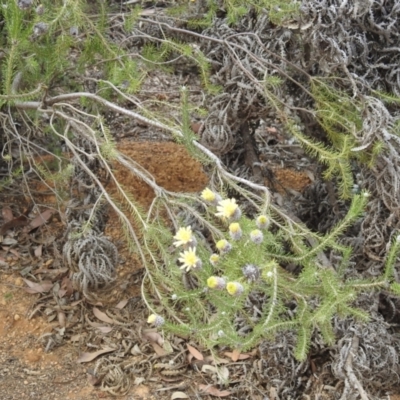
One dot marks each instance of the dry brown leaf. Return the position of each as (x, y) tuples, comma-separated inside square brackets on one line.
[(56, 271), (152, 336), (66, 286), (179, 395), (34, 287), (159, 350), (102, 316), (216, 360), (234, 355), (93, 324), (105, 329), (62, 320), (76, 338), (15, 253), (40, 220), (195, 353), (122, 304), (237, 355), (7, 214), (15, 223), (211, 368), (147, 12), (213, 391), (87, 357), (38, 251)]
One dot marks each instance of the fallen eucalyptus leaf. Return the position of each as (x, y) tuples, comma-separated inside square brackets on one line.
[(102, 316), (9, 241), (195, 353), (213, 391), (122, 304), (179, 395), (41, 287), (38, 251), (40, 220), (152, 336), (105, 329), (159, 350), (87, 357)]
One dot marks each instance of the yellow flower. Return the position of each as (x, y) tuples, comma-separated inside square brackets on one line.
[(262, 222), (223, 246), (189, 259), (208, 195), (234, 288), (235, 231), (228, 209), (156, 320), (256, 236), (214, 258), (184, 236), (215, 282)]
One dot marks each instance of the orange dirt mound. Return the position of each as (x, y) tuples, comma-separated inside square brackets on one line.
[(170, 164)]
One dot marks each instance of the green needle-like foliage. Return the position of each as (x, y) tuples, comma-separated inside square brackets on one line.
[(212, 300)]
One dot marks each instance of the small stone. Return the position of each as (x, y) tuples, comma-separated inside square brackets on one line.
[(17, 317)]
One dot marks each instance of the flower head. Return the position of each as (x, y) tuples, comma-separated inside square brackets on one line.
[(214, 258), (189, 259), (251, 272), (234, 288), (228, 209), (210, 197), (262, 222), (215, 282), (235, 231), (223, 246), (256, 236), (156, 320), (184, 237)]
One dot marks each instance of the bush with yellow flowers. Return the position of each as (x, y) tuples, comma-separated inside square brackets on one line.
[(236, 289)]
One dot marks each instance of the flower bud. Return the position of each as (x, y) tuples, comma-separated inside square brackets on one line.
[(210, 197), (216, 282), (256, 236), (235, 231), (40, 28), (214, 258), (251, 272), (262, 222), (40, 9), (234, 288), (224, 246), (155, 320), (24, 4)]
